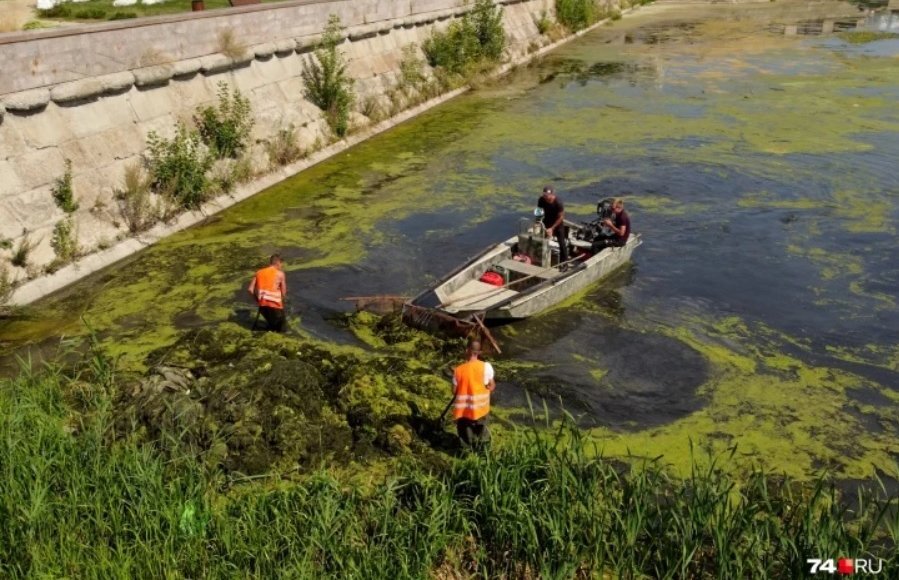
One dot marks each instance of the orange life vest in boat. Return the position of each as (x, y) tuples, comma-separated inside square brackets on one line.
[(472, 397), (268, 292)]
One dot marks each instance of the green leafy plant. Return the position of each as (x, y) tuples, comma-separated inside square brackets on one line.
[(543, 23), (476, 37), (283, 148), (326, 82), (411, 67), (23, 251), (577, 14), (63, 194), (135, 200), (64, 243), (225, 128), (178, 166)]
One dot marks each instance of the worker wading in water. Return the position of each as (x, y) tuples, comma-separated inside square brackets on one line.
[(472, 383), (269, 289)]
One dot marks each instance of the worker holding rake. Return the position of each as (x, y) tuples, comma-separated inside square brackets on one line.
[(473, 381)]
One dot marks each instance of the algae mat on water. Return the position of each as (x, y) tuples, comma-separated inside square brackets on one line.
[(760, 311)]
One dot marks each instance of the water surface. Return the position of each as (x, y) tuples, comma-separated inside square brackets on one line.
[(756, 157)]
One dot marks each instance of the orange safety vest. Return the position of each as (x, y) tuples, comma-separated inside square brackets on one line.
[(472, 397), (268, 292)]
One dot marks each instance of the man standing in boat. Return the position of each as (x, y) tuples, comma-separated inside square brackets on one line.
[(269, 288), (620, 226), (554, 220), (472, 384)]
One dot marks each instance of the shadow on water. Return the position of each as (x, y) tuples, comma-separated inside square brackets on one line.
[(606, 375)]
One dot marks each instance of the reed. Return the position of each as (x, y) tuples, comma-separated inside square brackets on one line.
[(78, 501)]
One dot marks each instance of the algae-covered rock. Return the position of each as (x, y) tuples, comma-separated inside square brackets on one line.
[(253, 402)]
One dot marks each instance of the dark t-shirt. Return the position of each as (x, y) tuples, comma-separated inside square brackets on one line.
[(622, 219), (551, 211)]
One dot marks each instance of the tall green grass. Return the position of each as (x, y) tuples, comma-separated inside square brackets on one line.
[(76, 501)]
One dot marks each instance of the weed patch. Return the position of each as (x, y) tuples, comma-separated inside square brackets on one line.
[(64, 243), (478, 36), (225, 128), (178, 166), (135, 200), (327, 84), (63, 194)]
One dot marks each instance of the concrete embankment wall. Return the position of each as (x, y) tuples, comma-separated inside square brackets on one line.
[(92, 97)]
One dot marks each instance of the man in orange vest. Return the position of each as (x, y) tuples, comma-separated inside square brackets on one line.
[(269, 289), (472, 384)]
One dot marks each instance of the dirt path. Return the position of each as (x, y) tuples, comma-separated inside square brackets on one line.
[(15, 13)]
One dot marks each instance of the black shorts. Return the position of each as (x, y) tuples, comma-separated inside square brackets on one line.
[(275, 319), (603, 243)]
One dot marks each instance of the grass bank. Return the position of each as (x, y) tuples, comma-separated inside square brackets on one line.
[(84, 494)]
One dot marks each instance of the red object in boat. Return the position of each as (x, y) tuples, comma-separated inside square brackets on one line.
[(494, 278)]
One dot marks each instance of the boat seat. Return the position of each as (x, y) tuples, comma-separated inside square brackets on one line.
[(476, 295), (528, 269)]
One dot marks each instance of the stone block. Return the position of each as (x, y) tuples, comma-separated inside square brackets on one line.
[(193, 92), (27, 101), (74, 91), (32, 209), (188, 67), (216, 63), (46, 129), (40, 167), (152, 104), (264, 50), (96, 116), (116, 82), (285, 46), (153, 76), (11, 142), (9, 180)]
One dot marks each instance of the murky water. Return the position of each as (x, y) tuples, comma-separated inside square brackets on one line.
[(757, 158)]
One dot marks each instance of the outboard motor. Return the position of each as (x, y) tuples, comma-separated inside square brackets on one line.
[(595, 229)]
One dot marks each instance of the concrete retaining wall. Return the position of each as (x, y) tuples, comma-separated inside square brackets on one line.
[(100, 121)]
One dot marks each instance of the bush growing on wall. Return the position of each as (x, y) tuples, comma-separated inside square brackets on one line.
[(577, 14), (225, 128), (64, 243), (477, 36), (63, 194), (327, 84), (178, 166), (135, 204)]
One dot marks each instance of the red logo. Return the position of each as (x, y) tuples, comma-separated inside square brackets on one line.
[(846, 566)]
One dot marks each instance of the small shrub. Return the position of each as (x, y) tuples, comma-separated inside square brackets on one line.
[(122, 15), (22, 251), (283, 148), (543, 23), (90, 14), (477, 36), (63, 194), (135, 203), (64, 242), (577, 14), (34, 25), (59, 11), (616, 15), (178, 166), (327, 84), (230, 45), (411, 67), (371, 108), (225, 129), (5, 244)]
